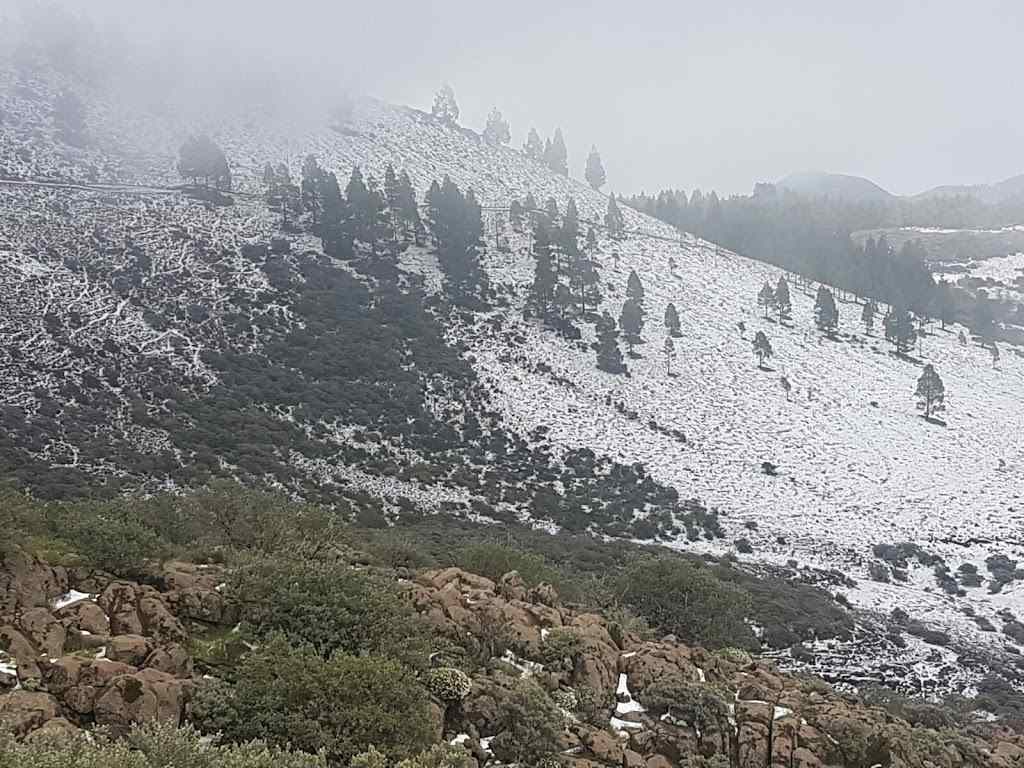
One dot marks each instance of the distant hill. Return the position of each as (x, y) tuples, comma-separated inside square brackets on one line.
[(838, 185), (993, 194)]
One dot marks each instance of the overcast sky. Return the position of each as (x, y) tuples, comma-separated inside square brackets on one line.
[(715, 95)]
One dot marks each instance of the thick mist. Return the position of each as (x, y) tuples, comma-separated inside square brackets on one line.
[(716, 96)]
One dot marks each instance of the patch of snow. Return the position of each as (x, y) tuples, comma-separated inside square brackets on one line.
[(69, 598)]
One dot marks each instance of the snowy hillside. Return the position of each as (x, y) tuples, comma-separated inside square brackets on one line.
[(856, 465)]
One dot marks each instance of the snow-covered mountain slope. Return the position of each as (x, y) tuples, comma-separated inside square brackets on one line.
[(856, 465)]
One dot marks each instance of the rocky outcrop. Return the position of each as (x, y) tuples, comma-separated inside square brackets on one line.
[(111, 652)]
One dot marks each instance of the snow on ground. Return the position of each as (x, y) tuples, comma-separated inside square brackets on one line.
[(69, 598), (1005, 270)]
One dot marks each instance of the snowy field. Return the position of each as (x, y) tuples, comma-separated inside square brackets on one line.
[(857, 466)]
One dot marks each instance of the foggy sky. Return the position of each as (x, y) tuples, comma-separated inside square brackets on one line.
[(715, 95)]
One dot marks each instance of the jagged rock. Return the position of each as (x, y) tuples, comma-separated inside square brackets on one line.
[(158, 622), (118, 602), (172, 658), (57, 728), (658, 761), (601, 745), (27, 582), (598, 664), (631, 759), (24, 711), (130, 649), (145, 696), (512, 586), (44, 631), (804, 758), (21, 650), (545, 594), (84, 615), (201, 604), (438, 578)]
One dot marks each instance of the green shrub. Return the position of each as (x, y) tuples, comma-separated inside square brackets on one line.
[(341, 705), (329, 606), (686, 599), (150, 746), (448, 683), (529, 725), (560, 649)]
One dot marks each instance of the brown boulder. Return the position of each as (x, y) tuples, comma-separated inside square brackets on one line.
[(200, 604), (57, 728), (21, 650), (130, 649), (631, 759), (63, 674), (158, 622), (44, 631), (86, 616), (118, 602), (658, 761), (145, 696), (601, 745), (28, 582), (172, 658), (24, 711), (512, 587)]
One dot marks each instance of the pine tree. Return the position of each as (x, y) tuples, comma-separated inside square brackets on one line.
[(563, 300), (335, 237), (283, 195), (496, 132), (515, 215), (310, 187), (591, 240), (542, 292), (569, 232), (943, 305), (826, 315), (631, 321), (609, 356), (899, 330), (672, 321), (931, 392), (670, 354), (783, 304), (200, 159), (766, 298), (445, 108), (533, 147), (867, 315), (456, 224), (556, 156), (408, 211), (984, 320), (613, 219), (634, 288), (762, 348), (594, 173)]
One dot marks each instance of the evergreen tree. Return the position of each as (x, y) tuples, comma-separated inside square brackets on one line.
[(407, 211), (762, 348), (631, 321), (200, 159), (613, 219), (766, 298), (672, 321), (445, 107), (634, 288), (670, 354), (533, 147), (943, 306), (456, 224), (542, 292), (515, 215), (826, 315), (563, 300), (555, 155), (496, 132), (783, 304), (310, 188), (595, 170), (282, 195), (569, 232), (69, 119), (609, 356), (867, 315), (591, 240), (899, 330), (984, 321), (335, 236), (931, 392)]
